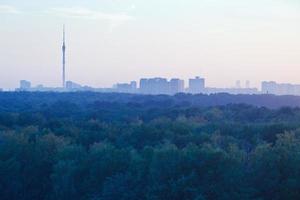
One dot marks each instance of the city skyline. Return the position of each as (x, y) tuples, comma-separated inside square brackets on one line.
[(159, 85), (112, 41)]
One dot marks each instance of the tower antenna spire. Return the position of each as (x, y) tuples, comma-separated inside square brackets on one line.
[(64, 32), (64, 58)]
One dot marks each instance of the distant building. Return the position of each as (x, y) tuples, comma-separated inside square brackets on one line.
[(70, 85), (268, 87), (197, 85), (158, 86), (133, 85), (272, 87), (126, 88), (154, 86), (144, 86), (232, 90), (247, 84), (40, 86), (25, 85), (176, 86), (238, 84)]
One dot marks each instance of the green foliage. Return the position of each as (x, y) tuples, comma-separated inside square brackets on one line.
[(121, 147)]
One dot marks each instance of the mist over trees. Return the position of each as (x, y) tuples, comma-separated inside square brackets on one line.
[(90, 146)]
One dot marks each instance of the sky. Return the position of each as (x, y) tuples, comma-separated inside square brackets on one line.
[(111, 41)]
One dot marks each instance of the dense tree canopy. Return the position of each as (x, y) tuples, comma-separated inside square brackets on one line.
[(90, 146)]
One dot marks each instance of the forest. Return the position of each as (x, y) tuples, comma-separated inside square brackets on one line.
[(93, 146)]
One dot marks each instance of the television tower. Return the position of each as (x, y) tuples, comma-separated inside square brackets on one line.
[(64, 59)]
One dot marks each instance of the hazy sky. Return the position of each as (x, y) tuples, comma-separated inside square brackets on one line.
[(122, 40)]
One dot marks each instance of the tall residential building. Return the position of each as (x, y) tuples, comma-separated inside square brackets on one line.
[(25, 85), (176, 86), (161, 86), (158, 86), (272, 87), (197, 85), (144, 87), (269, 87), (238, 84), (247, 84), (126, 88), (133, 85)]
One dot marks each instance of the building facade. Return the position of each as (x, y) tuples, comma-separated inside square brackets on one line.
[(197, 85), (25, 85)]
